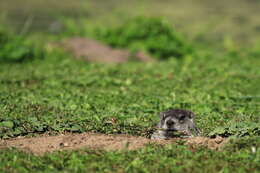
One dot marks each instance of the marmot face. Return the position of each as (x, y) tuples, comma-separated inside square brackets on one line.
[(176, 120)]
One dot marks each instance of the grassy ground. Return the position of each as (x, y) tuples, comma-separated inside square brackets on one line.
[(74, 96), (59, 94), (173, 158)]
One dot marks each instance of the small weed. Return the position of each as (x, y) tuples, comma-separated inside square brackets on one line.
[(15, 48)]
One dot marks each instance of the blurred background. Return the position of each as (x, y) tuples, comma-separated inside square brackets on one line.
[(204, 20)]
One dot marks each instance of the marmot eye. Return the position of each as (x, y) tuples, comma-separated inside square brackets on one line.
[(181, 119), (170, 123)]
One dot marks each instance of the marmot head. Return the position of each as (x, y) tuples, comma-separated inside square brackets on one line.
[(178, 120)]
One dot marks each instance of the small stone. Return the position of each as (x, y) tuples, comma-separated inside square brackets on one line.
[(218, 139), (253, 149), (64, 144)]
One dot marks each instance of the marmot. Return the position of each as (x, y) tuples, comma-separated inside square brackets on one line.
[(174, 122)]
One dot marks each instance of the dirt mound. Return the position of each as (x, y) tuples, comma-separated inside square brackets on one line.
[(92, 50), (42, 144), (212, 143)]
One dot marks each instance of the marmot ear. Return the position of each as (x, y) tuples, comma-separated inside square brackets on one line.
[(162, 115)]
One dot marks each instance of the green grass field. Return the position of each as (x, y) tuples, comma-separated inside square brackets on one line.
[(220, 82), (66, 95)]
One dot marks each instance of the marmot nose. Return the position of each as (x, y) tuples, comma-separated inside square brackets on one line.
[(170, 123)]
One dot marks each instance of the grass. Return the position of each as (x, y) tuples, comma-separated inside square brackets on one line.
[(61, 94)]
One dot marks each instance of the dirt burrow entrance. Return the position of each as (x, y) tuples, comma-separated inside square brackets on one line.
[(43, 144), (95, 51)]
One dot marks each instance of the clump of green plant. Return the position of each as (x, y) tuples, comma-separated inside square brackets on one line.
[(238, 144), (237, 129), (153, 35), (16, 48)]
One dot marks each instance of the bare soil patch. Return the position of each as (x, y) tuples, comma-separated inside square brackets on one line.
[(95, 51), (43, 144)]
